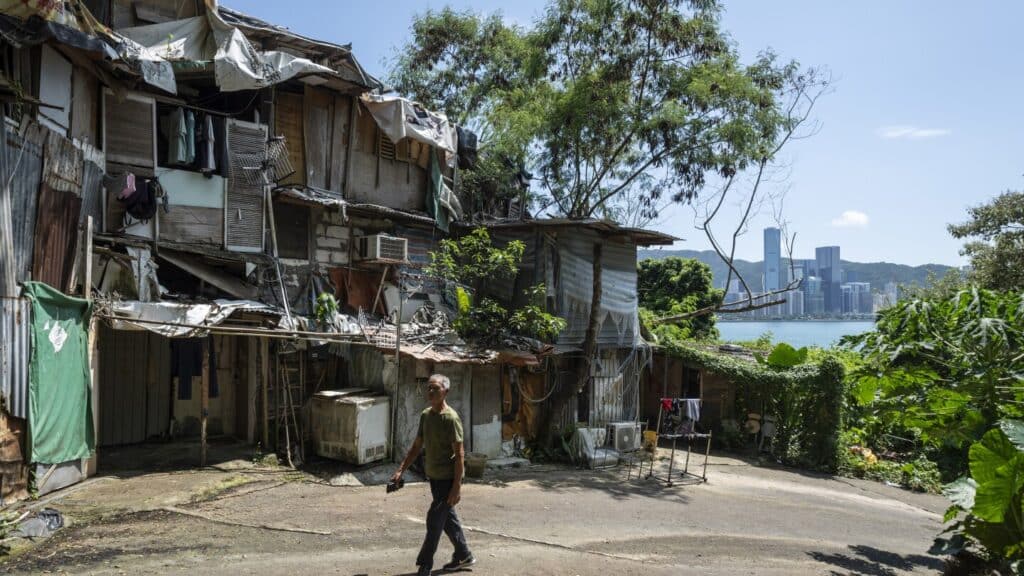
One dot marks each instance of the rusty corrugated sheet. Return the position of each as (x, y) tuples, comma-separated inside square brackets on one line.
[(8, 274), (54, 254), (22, 168), (14, 355)]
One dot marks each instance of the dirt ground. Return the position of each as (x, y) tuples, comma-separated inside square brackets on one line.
[(243, 520)]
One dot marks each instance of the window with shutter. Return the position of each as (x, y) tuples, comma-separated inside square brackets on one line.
[(243, 210), (385, 147), (129, 130)]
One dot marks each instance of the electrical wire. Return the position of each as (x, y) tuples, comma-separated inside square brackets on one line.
[(524, 395)]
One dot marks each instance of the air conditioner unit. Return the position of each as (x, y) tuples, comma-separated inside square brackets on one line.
[(382, 247), (624, 436)]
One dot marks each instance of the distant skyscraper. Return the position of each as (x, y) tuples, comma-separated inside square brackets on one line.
[(830, 270), (795, 299), (857, 298), (772, 258), (814, 298)]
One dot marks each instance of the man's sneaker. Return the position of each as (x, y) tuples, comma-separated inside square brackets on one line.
[(455, 564)]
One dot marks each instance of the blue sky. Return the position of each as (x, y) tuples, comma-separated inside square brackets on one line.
[(924, 118)]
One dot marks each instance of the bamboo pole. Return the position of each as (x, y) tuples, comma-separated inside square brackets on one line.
[(205, 399), (270, 333), (277, 260)]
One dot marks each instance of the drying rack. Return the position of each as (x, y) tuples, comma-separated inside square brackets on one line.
[(685, 429)]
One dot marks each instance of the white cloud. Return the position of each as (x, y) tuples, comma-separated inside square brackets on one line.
[(904, 132), (851, 219)]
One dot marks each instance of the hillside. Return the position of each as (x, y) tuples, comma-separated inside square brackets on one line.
[(877, 273)]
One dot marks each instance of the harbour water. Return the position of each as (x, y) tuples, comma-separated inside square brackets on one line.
[(797, 333)]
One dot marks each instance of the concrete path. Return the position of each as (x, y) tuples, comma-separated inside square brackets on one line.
[(745, 520)]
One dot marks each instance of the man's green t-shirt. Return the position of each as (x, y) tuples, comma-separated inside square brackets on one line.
[(439, 430)]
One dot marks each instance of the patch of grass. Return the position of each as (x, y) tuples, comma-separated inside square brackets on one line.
[(222, 487), (920, 475)]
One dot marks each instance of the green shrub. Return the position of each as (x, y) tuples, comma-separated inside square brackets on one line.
[(987, 503)]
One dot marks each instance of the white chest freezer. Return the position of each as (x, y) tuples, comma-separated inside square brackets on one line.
[(351, 425)]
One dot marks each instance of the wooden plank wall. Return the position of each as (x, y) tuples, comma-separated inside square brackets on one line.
[(288, 119), (193, 224), (317, 128)]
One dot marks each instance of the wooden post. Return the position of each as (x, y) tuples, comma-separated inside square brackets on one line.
[(91, 463), (252, 382), (87, 290), (205, 396), (265, 382), (398, 374)]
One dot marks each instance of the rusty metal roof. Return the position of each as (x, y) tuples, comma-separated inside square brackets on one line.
[(640, 236)]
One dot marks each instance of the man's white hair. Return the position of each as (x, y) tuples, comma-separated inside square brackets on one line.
[(442, 380)]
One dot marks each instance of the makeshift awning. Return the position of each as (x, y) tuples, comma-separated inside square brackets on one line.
[(465, 355), (401, 118), (310, 197), (237, 64), (175, 320), (70, 23)]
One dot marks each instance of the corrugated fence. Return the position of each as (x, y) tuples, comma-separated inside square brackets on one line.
[(14, 355)]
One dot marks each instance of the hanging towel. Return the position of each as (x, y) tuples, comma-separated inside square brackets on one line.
[(693, 409), (666, 404)]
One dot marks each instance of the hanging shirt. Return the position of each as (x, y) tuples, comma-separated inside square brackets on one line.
[(190, 137), (175, 131), (207, 156)]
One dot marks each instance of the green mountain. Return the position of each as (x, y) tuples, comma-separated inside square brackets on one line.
[(877, 273)]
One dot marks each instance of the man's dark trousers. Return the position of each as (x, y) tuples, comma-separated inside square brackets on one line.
[(441, 518)]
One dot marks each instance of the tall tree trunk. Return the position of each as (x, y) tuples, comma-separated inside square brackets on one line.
[(562, 398), (590, 340)]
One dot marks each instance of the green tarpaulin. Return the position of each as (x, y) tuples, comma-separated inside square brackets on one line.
[(59, 397)]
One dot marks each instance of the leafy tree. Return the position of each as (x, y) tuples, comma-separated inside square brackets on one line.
[(949, 368), (616, 103), (937, 287), (471, 261), (675, 286), (997, 251)]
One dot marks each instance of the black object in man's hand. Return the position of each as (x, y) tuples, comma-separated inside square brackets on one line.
[(395, 485)]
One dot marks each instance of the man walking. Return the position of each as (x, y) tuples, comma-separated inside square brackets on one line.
[(440, 436)]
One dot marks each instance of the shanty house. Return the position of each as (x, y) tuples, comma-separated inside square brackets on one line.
[(186, 186)]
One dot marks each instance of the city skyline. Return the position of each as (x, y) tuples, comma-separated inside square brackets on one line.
[(822, 288)]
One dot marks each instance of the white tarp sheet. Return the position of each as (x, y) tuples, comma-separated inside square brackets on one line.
[(179, 320), (402, 118), (237, 64), (74, 14)]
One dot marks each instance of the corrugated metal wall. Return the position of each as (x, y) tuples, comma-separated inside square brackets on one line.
[(513, 291), (421, 242), (618, 289), (14, 354), (23, 169), (134, 384), (615, 389)]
